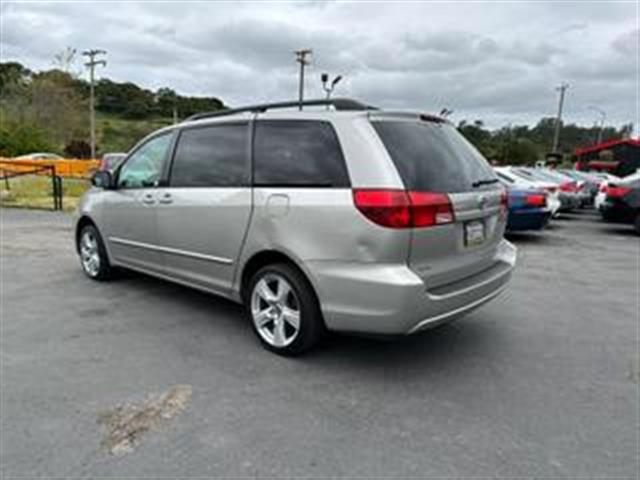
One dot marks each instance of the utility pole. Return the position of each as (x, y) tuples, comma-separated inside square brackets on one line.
[(301, 58), (91, 64), (562, 88)]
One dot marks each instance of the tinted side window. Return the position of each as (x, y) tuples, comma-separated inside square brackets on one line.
[(214, 156), (298, 153), (432, 157), (144, 167)]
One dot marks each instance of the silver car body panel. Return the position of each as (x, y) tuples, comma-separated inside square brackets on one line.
[(368, 278)]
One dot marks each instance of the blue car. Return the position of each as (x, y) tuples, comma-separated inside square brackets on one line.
[(528, 210)]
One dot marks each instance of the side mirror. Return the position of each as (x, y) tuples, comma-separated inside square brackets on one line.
[(102, 179)]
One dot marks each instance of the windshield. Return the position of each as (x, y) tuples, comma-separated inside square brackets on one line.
[(433, 157)]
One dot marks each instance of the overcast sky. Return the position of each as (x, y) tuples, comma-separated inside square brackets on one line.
[(497, 61)]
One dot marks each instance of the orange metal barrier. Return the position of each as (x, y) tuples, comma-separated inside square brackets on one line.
[(64, 168)]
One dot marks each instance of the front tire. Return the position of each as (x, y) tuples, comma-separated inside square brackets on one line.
[(93, 255), (284, 310)]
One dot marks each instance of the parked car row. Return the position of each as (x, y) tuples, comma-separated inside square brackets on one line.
[(538, 194)]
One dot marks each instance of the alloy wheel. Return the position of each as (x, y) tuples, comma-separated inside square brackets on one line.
[(275, 310), (89, 254)]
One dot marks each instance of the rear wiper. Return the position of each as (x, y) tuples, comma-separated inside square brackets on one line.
[(479, 183)]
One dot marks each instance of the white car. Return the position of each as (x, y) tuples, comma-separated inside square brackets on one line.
[(40, 156), (606, 178), (505, 174)]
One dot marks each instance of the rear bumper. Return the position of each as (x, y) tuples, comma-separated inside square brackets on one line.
[(568, 201), (393, 300), (616, 212), (520, 220)]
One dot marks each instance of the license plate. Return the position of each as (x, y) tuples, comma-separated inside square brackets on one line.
[(474, 233)]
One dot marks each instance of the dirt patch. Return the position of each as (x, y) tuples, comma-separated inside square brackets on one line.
[(127, 423)]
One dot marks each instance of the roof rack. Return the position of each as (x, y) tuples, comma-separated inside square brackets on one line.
[(337, 103)]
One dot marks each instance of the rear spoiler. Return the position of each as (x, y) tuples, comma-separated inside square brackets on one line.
[(407, 115)]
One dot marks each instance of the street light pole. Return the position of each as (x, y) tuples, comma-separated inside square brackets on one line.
[(301, 58), (562, 88), (92, 63), (324, 78), (603, 116)]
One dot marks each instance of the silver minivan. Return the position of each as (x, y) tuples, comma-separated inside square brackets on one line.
[(347, 219)]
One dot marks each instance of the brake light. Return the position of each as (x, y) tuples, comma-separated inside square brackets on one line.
[(536, 200), (389, 208), (504, 203), (617, 192), (568, 187), (603, 187), (401, 209), (429, 209)]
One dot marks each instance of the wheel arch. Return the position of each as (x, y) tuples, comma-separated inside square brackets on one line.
[(269, 257), (82, 222)]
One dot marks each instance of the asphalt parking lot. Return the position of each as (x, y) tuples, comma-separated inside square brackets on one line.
[(543, 381)]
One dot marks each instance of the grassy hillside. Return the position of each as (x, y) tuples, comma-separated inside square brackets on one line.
[(116, 134)]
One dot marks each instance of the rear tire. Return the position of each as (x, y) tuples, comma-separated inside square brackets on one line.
[(284, 311), (636, 222), (93, 254)]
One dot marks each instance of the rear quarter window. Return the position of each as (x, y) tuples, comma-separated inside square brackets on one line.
[(432, 157), (301, 153)]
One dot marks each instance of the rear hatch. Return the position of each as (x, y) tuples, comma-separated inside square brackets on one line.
[(432, 156)]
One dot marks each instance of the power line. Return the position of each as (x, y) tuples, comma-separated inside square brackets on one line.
[(92, 64)]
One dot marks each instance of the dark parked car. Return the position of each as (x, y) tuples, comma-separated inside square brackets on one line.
[(528, 210), (622, 203)]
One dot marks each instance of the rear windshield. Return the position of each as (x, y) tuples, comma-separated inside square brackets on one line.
[(534, 175), (433, 157)]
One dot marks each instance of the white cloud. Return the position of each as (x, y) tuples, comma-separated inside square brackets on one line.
[(496, 61)]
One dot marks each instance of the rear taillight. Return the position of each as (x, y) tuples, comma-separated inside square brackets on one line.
[(504, 202), (401, 209), (536, 200), (603, 187), (568, 187), (389, 208), (617, 192), (429, 209)]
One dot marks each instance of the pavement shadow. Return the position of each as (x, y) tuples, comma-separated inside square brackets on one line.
[(534, 238), (184, 296), (434, 348), (431, 350), (621, 230), (526, 237)]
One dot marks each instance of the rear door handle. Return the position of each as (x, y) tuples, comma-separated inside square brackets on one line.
[(166, 198), (148, 199)]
